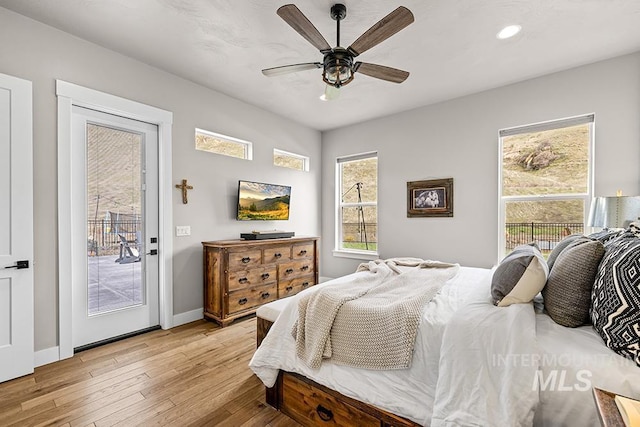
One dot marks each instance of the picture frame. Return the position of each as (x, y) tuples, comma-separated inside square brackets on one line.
[(430, 198)]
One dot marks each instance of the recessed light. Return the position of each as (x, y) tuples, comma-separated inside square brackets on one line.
[(508, 31)]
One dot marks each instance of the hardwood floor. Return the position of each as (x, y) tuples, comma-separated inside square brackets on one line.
[(192, 375)]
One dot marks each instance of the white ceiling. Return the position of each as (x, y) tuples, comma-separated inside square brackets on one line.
[(450, 50)]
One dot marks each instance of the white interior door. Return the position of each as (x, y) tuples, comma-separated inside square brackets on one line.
[(115, 225), (16, 228)]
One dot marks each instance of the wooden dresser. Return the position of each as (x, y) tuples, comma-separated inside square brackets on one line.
[(241, 275)]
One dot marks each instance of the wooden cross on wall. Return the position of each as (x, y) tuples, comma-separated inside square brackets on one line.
[(184, 187)]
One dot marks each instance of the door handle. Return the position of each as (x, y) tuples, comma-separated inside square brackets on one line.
[(152, 252), (20, 265)]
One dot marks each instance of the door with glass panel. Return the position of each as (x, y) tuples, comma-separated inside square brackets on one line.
[(115, 227)]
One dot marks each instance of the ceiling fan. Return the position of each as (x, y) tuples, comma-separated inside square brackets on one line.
[(338, 66)]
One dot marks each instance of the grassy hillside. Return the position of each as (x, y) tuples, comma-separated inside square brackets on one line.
[(113, 172), (546, 163)]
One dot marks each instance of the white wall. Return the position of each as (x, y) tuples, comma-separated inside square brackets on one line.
[(459, 139), (39, 53)]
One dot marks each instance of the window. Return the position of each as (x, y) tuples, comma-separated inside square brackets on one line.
[(290, 160), (221, 144), (357, 195), (546, 176)]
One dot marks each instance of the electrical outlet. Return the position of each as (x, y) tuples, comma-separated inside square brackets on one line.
[(183, 230)]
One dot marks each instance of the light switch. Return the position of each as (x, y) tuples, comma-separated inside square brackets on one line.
[(183, 230)]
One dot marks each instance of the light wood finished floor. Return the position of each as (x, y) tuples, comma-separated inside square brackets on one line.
[(192, 375)]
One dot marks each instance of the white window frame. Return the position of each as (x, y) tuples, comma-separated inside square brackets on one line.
[(305, 159), (339, 251), (247, 146), (536, 127)]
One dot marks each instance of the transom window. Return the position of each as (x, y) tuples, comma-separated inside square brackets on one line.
[(290, 160), (546, 181), (357, 195), (222, 144)]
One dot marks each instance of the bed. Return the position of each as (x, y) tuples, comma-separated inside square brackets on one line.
[(473, 364)]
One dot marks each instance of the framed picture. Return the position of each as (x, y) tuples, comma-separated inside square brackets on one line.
[(430, 198)]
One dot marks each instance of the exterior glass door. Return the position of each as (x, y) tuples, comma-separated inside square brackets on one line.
[(115, 226)]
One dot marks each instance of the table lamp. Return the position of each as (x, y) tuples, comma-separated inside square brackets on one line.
[(614, 211)]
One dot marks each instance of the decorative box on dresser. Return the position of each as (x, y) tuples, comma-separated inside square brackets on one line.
[(241, 275)]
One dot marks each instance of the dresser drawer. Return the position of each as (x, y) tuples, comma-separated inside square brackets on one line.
[(291, 287), (258, 276), (244, 259), (290, 270), (252, 297), (277, 254), (313, 407), (302, 251)]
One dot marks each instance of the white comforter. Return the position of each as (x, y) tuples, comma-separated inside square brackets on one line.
[(481, 367)]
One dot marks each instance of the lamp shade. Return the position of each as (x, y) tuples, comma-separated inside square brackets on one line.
[(614, 212)]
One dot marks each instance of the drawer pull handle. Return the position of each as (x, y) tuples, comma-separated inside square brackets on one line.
[(304, 268), (289, 288), (265, 276), (277, 255), (305, 284), (303, 252), (246, 260), (324, 413), (265, 295), (289, 270), (243, 280), (242, 301)]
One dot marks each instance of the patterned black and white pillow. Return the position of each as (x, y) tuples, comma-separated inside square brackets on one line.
[(615, 301), (607, 236)]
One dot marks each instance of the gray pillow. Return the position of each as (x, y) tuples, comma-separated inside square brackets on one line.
[(551, 259), (567, 295), (520, 276)]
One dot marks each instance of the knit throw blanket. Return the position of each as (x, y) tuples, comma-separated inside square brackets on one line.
[(371, 322)]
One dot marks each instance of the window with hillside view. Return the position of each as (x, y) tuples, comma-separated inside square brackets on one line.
[(546, 174), (290, 160), (222, 144), (357, 225)]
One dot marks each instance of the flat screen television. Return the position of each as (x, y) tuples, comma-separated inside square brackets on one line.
[(263, 202)]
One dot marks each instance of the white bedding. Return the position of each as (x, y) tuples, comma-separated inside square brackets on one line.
[(488, 373)]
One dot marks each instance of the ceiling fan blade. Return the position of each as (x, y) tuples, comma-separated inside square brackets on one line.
[(382, 30), (381, 72), (296, 19), (286, 69)]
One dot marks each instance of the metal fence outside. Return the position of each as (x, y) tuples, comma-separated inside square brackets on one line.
[(546, 235), (102, 235), (354, 232)]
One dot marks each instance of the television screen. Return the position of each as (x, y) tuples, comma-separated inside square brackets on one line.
[(259, 201)]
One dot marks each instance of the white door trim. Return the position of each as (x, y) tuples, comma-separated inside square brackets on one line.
[(70, 94)]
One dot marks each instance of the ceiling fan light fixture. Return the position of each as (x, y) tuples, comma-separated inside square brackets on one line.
[(338, 68), (330, 93), (509, 31)]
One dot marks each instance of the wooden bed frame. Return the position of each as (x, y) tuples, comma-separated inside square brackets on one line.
[(312, 404)]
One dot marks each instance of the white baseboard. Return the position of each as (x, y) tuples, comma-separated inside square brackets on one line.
[(46, 356), (52, 354), (187, 317)]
